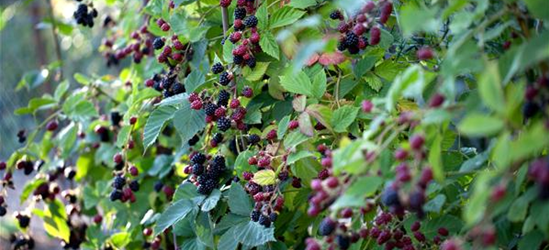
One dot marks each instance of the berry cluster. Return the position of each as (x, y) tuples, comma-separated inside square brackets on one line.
[(245, 36), (168, 83), (206, 176), (140, 45), (22, 242), (3, 206), (355, 28), (84, 16), (123, 189), (536, 96)]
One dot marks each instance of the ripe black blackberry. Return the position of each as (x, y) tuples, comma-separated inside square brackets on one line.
[(217, 68), (178, 88), (218, 137), (116, 195), (273, 216), (3, 211), (239, 13), (255, 215), (341, 46), (210, 109), (353, 50), (250, 21), (238, 59), (224, 79), (158, 43), (251, 62), (351, 39), (254, 139), (223, 124), (326, 227), (119, 182), (223, 98), (24, 220), (335, 15), (219, 161), (264, 220), (198, 158), (207, 187), (343, 241), (193, 140), (115, 118), (198, 169), (158, 186), (134, 185)]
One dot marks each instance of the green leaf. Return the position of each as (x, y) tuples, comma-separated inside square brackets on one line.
[(343, 117), (302, 4), (538, 8), (228, 50), (435, 205), (55, 223), (33, 79), (194, 80), (476, 125), (282, 127), (241, 163), (410, 23), (294, 138), (262, 19), (529, 143), (269, 45), (435, 159), (293, 157), (297, 83), (188, 191), (253, 234), (519, 208), (123, 136), (120, 240), (305, 125), (227, 240), (211, 201), (285, 16), (256, 73), (475, 207), (82, 79), (364, 65), (531, 240), (319, 84), (322, 114), (61, 90), (373, 81), (490, 89), (174, 213), (29, 188), (365, 186), (349, 158), (239, 201), (66, 139), (265, 177), (203, 230), (409, 83), (188, 121), (155, 123)]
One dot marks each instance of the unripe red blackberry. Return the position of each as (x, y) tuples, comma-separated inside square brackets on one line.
[(416, 142), (271, 135), (375, 35), (332, 182), (196, 105), (165, 27), (293, 124), (498, 193), (225, 3), (252, 161), (443, 231), (134, 171), (247, 92), (147, 231), (118, 158), (326, 162), (425, 53), (347, 212), (247, 175), (97, 219), (450, 244), (254, 38), (415, 226), (235, 37), (52, 125), (2, 165), (149, 83), (235, 103)]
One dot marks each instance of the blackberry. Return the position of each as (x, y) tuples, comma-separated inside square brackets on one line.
[(223, 98), (351, 39), (219, 161), (119, 182), (198, 158), (255, 215), (335, 15), (119, 166), (198, 169), (178, 88), (239, 13), (273, 217), (224, 79), (23, 220), (82, 9), (116, 195), (167, 93), (210, 109), (264, 220), (254, 139), (157, 86), (341, 46), (251, 62), (389, 197), (207, 187), (134, 186), (158, 43), (530, 109), (3, 211), (353, 50), (193, 140), (158, 186), (326, 227), (217, 68), (250, 21), (223, 124), (238, 59), (115, 118), (218, 137), (343, 241)]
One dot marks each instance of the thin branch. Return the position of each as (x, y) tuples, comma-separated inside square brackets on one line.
[(225, 19), (55, 38)]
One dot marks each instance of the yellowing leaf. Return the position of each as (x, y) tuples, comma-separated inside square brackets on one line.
[(265, 177)]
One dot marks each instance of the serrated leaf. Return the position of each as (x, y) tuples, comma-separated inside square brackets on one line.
[(120, 240), (211, 201), (228, 50), (373, 81), (285, 16), (491, 90), (268, 45), (61, 90), (321, 113), (282, 127), (294, 138), (365, 186), (265, 177), (343, 117), (194, 80), (297, 83), (227, 240), (241, 163), (293, 157), (174, 213), (188, 121), (305, 125), (435, 204), (155, 123), (262, 17), (82, 79), (319, 84), (257, 72), (253, 234), (123, 136), (188, 191), (239, 201), (302, 4)]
